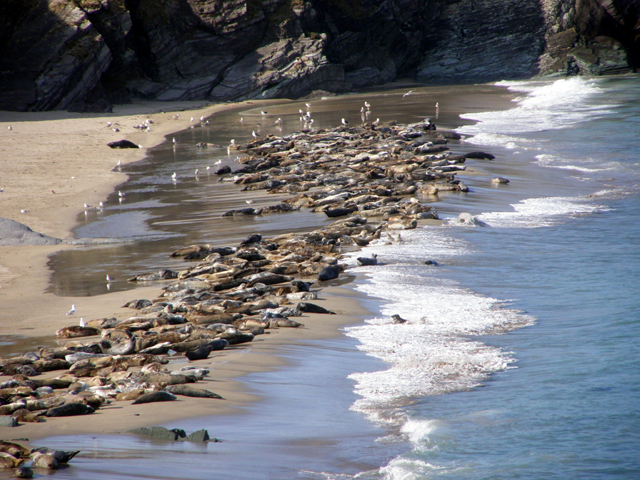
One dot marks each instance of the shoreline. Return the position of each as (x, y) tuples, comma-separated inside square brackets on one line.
[(35, 276)]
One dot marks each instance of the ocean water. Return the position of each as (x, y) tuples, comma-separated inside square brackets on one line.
[(521, 353)]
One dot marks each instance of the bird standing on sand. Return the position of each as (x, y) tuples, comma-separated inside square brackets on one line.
[(410, 92), (82, 324), (368, 105), (9, 127), (249, 202), (344, 122), (71, 312), (254, 134), (279, 121), (174, 176)]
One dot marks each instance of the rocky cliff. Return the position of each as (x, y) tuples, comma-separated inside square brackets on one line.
[(87, 54)]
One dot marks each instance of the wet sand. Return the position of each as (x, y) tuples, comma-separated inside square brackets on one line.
[(41, 153)]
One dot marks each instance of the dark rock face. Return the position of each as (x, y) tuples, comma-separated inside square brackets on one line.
[(591, 37), (483, 41), (84, 55)]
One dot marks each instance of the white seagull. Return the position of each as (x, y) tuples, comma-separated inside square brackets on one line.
[(72, 311), (109, 279), (410, 92), (254, 134), (344, 122), (174, 176)]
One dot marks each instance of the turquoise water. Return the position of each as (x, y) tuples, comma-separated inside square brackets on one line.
[(521, 355)]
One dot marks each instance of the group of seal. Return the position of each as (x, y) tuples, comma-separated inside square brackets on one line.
[(14, 455), (364, 177)]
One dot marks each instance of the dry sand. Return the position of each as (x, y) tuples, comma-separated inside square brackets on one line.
[(51, 164)]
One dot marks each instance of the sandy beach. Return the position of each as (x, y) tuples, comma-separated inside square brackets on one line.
[(52, 164)]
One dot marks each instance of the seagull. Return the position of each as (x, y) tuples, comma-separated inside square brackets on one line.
[(249, 202), (410, 92), (437, 105), (368, 105), (115, 129), (72, 311), (109, 279), (219, 162), (197, 172), (174, 140), (377, 121), (202, 118), (9, 127), (102, 204), (308, 105), (119, 163), (344, 122), (241, 119), (109, 124), (24, 210), (86, 205), (191, 120), (120, 194), (174, 176), (279, 121), (233, 142), (82, 322), (254, 134), (263, 112)]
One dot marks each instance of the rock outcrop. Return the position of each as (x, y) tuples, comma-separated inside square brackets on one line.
[(85, 55)]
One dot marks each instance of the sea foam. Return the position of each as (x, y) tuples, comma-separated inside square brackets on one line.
[(431, 353)]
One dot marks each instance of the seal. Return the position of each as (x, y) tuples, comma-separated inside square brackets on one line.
[(70, 409), (199, 353), (154, 397), (364, 261), (329, 273), (188, 391), (313, 308), (61, 456), (9, 461)]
